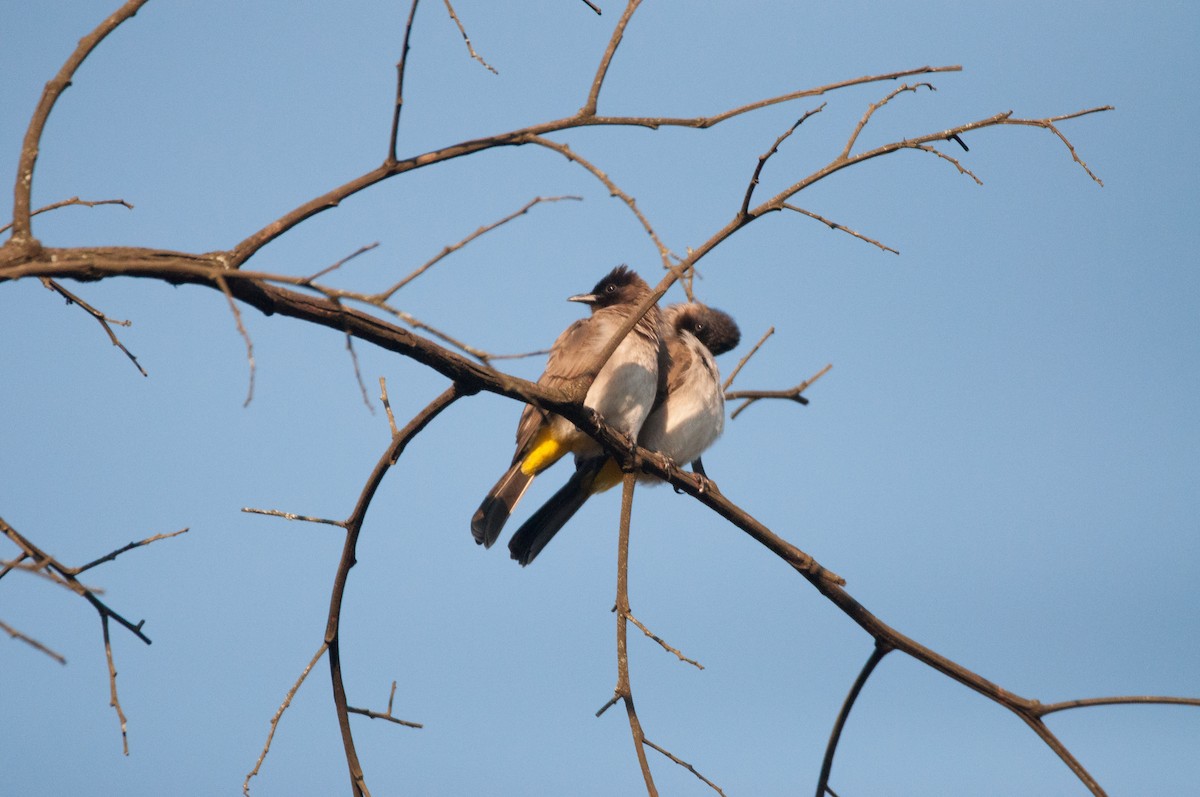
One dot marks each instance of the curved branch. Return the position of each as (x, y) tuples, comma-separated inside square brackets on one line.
[(22, 235), (353, 528), (881, 650)]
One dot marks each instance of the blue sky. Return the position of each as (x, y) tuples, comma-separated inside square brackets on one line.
[(1004, 461)]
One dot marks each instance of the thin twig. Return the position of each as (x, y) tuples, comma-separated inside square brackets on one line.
[(375, 715), (742, 362), (833, 225), (613, 190), (663, 644), (72, 201), (385, 295), (357, 373), (287, 701), (291, 516), (114, 701), (28, 640), (360, 250), (866, 117), (241, 328), (108, 557), (387, 406), (1156, 700), (686, 766), (467, 39), (7, 567), (792, 394), (104, 320), (398, 103), (589, 107), (762, 159), (953, 161)]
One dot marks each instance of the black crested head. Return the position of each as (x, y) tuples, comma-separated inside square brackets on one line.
[(622, 285), (714, 328)]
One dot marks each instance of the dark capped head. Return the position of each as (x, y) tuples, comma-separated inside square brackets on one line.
[(715, 329), (622, 285)]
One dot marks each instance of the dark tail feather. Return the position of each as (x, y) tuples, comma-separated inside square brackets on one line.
[(492, 514), (541, 527)]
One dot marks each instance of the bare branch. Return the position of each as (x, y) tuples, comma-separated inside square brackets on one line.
[(241, 328), (866, 117), (589, 107), (686, 766), (22, 236), (104, 320), (69, 202), (762, 159), (108, 557), (387, 406), (398, 104), (385, 295), (360, 250), (357, 373), (881, 650), (290, 516), (742, 362), (584, 118), (613, 190), (375, 715), (791, 394), (833, 225), (28, 640), (467, 39), (387, 715), (1131, 700), (1048, 124), (623, 690), (952, 160), (114, 701), (287, 701), (663, 644), (353, 526)]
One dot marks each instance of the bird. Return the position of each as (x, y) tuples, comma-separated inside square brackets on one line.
[(687, 418), (622, 393)]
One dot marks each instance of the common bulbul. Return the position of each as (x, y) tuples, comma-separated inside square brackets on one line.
[(688, 416), (623, 392)]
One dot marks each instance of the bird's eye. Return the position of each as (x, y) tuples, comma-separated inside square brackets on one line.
[(699, 326), (610, 288)]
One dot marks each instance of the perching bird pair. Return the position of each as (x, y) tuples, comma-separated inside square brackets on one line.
[(661, 387)]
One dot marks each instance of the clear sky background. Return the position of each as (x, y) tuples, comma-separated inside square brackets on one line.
[(1004, 462)]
